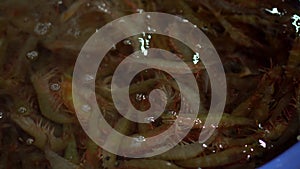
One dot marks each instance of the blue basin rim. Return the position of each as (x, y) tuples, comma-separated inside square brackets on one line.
[(290, 159)]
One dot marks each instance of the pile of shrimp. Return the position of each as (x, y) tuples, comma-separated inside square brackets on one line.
[(40, 41)]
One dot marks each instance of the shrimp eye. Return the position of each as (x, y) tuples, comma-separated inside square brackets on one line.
[(22, 110)]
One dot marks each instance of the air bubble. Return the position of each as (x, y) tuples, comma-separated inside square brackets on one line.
[(248, 157), (140, 10), (55, 87), (185, 20), (1, 115), (22, 110), (137, 141), (74, 31), (86, 108), (199, 46), (29, 141), (32, 55), (88, 77), (127, 42), (42, 28), (113, 47), (103, 7), (149, 119), (140, 97)]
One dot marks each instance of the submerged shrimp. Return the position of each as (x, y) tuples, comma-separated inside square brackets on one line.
[(49, 104), (72, 10), (294, 58), (226, 121), (258, 105), (58, 162), (23, 114), (147, 164), (186, 151), (228, 156), (42, 133)]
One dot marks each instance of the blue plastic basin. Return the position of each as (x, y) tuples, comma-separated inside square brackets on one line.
[(290, 159)]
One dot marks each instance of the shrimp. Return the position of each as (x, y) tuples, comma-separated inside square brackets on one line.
[(226, 142), (50, 105), (58, 162), (170, 65), (71, 11), (124, 126), (187, 151), (23, 114), (71, 152), (66, 87), (40, 131), (21, 64), (258, 105), (91, 157), (294, 58), (228, 156), (147, 164), (181, 152), (236, 34), (3, 49), (298, 102), (226, 121), (274, 130)]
